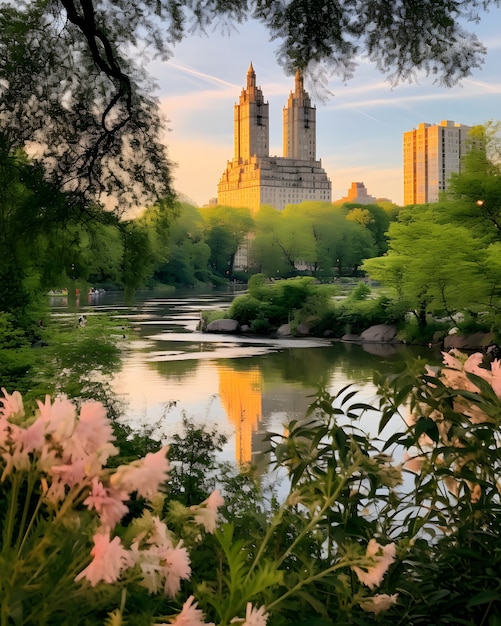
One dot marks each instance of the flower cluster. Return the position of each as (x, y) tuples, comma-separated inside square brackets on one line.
[(69, 453), (467, 404), (60, 457), (380, 558)]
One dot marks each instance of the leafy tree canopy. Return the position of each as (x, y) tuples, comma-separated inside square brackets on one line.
[(73, 85)]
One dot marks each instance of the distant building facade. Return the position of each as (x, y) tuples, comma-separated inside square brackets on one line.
[(253, 177), (357, 194), (431, 154)]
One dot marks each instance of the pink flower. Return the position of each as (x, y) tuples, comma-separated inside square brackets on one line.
[(206, 513), (190, 615), (71, 473), (33, 437), (162, 564), (176, 567), (110, 559), (93, 433), (454, 375), (382, 557), (378, 603), (214, 501), (58, 417), (108, 502), (15, 459), (253, 616), (144, 476), (12, 404), (496, 377)]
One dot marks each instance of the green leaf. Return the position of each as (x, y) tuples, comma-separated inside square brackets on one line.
[(484, 597), (426, 426)]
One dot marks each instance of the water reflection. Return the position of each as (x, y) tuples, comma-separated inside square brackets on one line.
[(245, 386)]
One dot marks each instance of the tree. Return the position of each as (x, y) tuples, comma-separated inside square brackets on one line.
[(70, 93), (436, 267), (188, 253), (476, 190), (294, 237), (375, 219), (227, 228), (341, 243), (40, 233), (72, 80), (265, 254)]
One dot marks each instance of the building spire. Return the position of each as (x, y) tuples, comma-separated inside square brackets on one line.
[(251, 77)]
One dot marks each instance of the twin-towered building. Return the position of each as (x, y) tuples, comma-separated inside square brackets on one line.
[(253, 177)]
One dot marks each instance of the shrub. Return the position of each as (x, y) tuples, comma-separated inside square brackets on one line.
[(361, 292), (244, 309), (358, 315)]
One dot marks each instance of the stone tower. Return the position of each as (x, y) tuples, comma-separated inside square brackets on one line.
[(299, 124), (251, 121)]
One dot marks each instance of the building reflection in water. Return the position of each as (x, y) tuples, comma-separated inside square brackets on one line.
[(240, 393)]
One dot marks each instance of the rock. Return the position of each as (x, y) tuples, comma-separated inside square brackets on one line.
[(284, 330), (438, 338), (380, 333), (350, 337), (244, 328), (223, 326), (475, 341), (303, 330)]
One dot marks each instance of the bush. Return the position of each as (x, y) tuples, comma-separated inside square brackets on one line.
[(244, 309), (361, 292), (358, 315)]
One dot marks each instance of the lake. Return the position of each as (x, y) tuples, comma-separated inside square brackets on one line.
[(243, 385)]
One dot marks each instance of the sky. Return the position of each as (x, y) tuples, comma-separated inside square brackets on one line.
[(360, 125)]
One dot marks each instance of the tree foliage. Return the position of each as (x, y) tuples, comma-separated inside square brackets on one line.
[(311, 236), (227, 228), (71, 93)]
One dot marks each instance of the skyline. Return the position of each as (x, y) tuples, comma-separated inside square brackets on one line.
[(359, 127)]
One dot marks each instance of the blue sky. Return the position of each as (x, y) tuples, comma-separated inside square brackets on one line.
[(359, 127)]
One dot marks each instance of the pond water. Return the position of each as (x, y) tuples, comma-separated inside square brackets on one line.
[(245, 386)]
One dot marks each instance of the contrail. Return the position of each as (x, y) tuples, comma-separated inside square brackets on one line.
[(369, 116), (208, 77)]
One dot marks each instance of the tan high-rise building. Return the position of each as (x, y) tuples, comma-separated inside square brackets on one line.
[(252, 177), (431, 154)]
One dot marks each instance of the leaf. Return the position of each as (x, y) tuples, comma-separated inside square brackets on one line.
[(315, 621), (426, 426), (340, 438), (484, 597), (361, 406), (115, 619)]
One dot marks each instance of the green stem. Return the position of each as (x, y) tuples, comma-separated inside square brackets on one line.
[(340, 564), (311, 524), (8, 531), (271, 528), (318, 517)]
